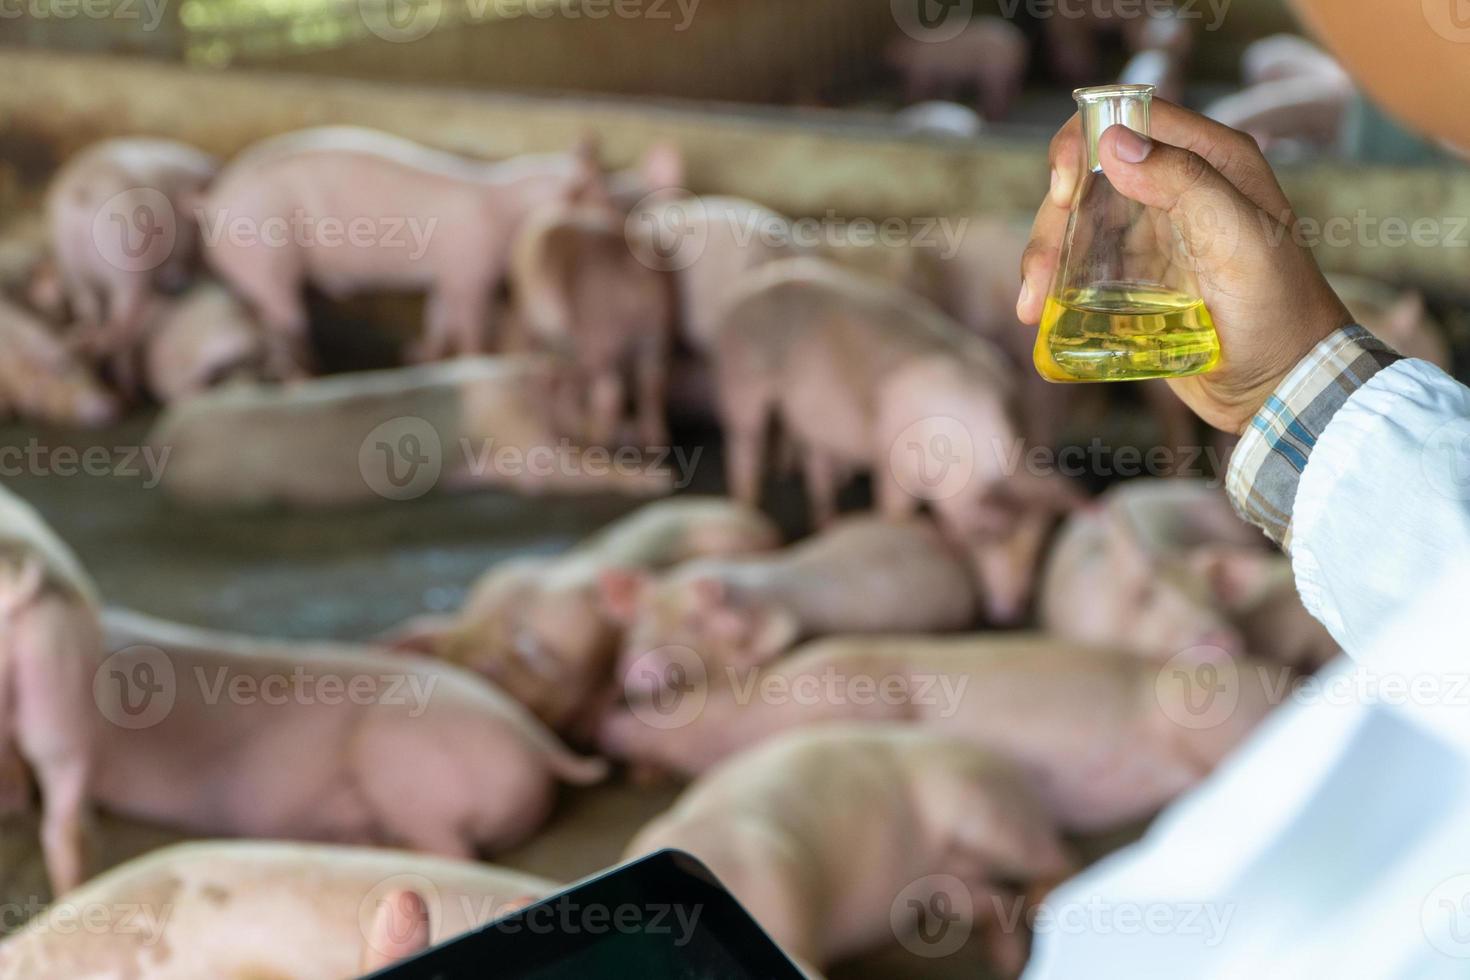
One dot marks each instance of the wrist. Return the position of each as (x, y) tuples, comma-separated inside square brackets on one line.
[(1282, 363), (1277, 441)]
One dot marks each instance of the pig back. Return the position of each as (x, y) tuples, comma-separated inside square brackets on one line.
[(250, 909), (305, 443), (668, 532)]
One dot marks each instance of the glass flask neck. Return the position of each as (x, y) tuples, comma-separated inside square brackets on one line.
[(1111, 105)]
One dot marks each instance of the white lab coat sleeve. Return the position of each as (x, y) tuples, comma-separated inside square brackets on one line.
[(1332, 844), (1383, 504)]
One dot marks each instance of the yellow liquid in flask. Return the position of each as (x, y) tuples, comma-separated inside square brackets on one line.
[(1125, 332)]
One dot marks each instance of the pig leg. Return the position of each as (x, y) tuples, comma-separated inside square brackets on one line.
[(605, 402), (1176, 422), (455, 322), (652, 370), (55, 649), (889, 497), (14, 779), (271, 280), (744, 462), (819, 470), (15, 783), (744, 409), (125, 307), (86, 309)]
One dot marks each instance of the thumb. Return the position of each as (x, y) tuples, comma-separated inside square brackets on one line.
[(1206, 209), (400, 930)]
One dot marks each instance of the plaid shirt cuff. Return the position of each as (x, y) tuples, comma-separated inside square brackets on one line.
[(1268, 463)]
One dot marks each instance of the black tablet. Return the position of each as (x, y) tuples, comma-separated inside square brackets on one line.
[(662, 917)]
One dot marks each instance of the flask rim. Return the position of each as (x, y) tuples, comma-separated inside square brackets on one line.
[(1099, 93)]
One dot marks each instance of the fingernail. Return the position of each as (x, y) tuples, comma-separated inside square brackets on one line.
[(1025, 293), (1132, 147)]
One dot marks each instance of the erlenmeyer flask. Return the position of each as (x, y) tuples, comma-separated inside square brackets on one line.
[(1125, 304)]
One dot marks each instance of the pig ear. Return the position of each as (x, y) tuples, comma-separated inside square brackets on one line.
[(589, 185), (1404, 316), (775, 632), (619, 590), (1237, 577), (709, 593), (662, 167)]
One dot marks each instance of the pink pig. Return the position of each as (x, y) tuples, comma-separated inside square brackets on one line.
[(395, 434), (824, 832), (584, 292), (862, 575), (206, 731), (989, 58), (40, 379), (1103, 738), (709, 243), (864, 376), (536, 625), (1164, 566), (1398, 318), (50, 642), (349, 210), (1295, 94), (199, 340), (237, 909), (122, 226)]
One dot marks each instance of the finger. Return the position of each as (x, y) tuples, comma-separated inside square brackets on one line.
[(1039, 262), (400, 930), (1234, 154), (1208, 211)]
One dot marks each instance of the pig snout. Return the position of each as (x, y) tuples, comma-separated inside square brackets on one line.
[(619, 735), (96, 409), (644, 674)]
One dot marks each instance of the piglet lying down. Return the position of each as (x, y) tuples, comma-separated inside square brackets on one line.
[(825, 833), (249, 910), (1105, 738), (395, 434), (229, 735)]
